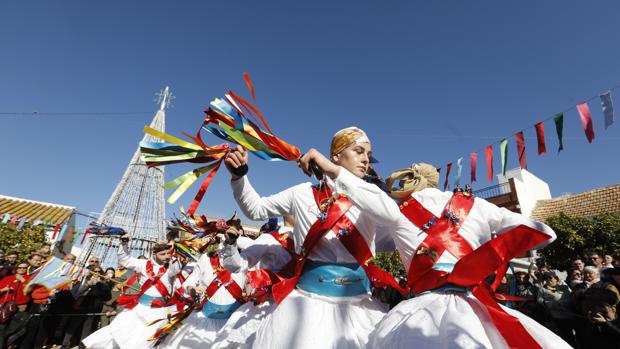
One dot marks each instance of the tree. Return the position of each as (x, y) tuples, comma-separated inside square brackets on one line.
[(25, 241), (579, 236)]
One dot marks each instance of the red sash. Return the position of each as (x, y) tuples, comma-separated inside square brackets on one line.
[(348, 235), (473, 265), (261, 280), (131, 300), (223, 278)]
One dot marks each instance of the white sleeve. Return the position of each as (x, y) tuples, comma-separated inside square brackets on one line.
[(261, 208), (368, 197), (129, 262), (231, 260), (193, 280), (502, 220)]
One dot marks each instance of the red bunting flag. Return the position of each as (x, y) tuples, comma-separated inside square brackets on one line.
[(520, 140), (489, 155), (448, 168), (540, 136), (473, 158), (586, 120), (56, 229)]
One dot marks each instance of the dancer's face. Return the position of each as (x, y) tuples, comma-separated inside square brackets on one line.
[(162, 257), (355, 158)]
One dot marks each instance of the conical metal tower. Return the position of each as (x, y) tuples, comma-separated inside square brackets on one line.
[(137, 204)]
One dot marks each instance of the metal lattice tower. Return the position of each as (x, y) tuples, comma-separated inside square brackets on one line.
[(137, 204)]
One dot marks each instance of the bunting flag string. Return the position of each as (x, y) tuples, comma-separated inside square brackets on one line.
[(608, 108), (448, 168), (503, 147), (473, 158), (520, 141), (540, 138), (586, 120), (489, 155)]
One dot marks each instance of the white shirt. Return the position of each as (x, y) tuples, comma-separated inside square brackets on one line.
[(299, 202), (139, 266)]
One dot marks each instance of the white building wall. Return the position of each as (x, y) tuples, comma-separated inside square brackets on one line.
[(529, 189)]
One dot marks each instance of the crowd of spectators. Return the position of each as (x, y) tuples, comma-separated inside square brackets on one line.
[(580, 307), (59, 318)]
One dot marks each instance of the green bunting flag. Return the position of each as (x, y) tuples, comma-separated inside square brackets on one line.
[(503, 146), (559, 126)]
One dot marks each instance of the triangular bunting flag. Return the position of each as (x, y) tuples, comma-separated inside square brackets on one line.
[(473, 158), (520, 140), (540, 137), (503, 150), (608, 108), (459, 170), (448, 168), (559, 127), (586, 120), (488, 152)]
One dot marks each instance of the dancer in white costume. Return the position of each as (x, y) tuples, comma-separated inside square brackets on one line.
[(452, 308), (328, 305), (223, 294), (270, 251), (129, 329)]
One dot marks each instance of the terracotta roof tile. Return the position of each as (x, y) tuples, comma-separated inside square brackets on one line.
[(584, 204), (35, 210)]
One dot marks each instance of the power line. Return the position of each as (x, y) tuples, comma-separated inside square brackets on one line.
[(36, 113)]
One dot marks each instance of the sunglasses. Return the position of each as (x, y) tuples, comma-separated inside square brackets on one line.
[(21, 268)]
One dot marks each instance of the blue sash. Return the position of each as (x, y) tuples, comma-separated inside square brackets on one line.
[(334, 280), (146, 300), (219, 311)]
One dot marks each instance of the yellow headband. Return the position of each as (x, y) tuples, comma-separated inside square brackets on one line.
[(345, 137)]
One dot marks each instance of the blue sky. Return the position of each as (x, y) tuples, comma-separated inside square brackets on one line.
[(429, 81)]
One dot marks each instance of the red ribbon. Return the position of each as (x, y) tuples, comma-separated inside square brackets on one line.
[(131, 300), (473, 159), (586, 120), (488, 151), (540, 137), (521, 149), (448, 168), (56, 228), (203, 189)]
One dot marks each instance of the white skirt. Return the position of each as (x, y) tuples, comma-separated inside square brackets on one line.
[(198, 331), (453, 320), (129, 330), (100, 339), (307, 320), (240, 329)]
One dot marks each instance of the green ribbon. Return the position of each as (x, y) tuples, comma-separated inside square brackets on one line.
[(503, 146), (559, 126)]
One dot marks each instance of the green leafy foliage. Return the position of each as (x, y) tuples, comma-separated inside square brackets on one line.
[(25, 241), (579, 236), (390, 262)]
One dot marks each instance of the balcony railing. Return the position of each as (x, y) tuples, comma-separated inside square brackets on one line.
[(494, 191)]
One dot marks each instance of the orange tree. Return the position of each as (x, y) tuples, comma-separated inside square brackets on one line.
[(26, 240)]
